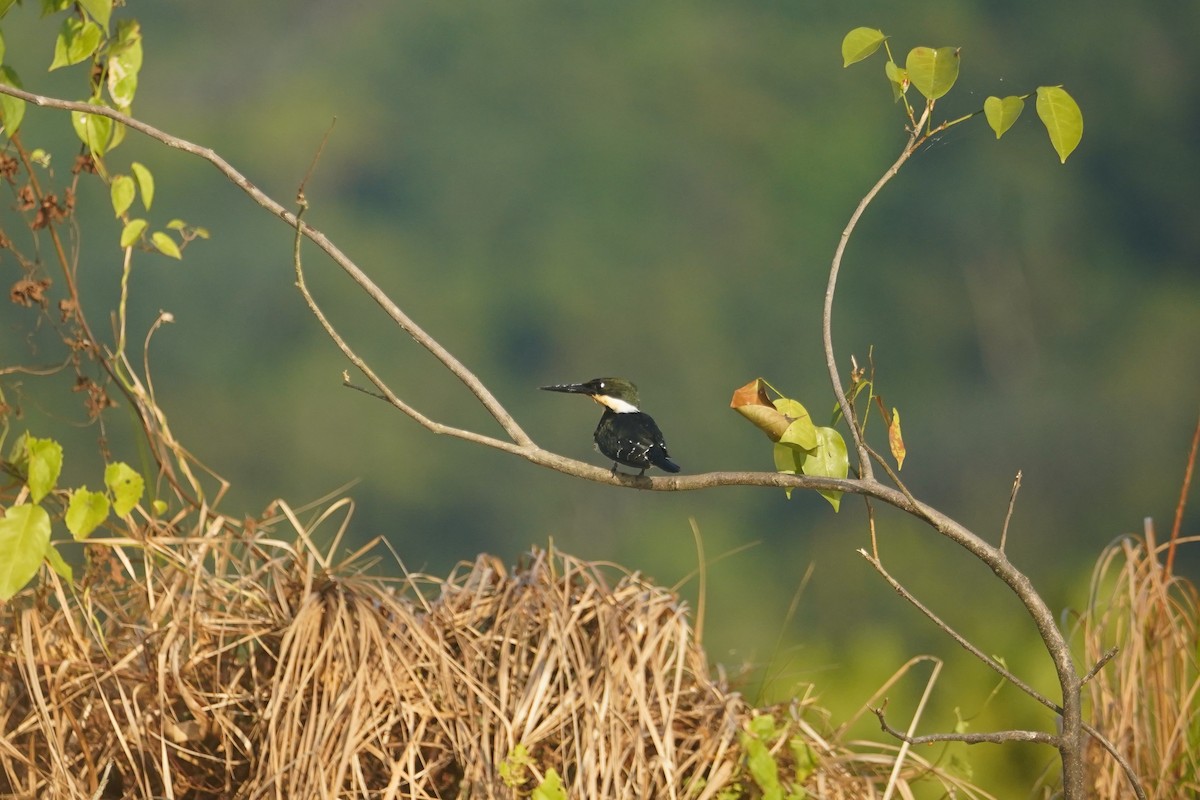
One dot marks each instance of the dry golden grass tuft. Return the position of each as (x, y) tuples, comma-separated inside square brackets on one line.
[(208, 659), (1147, 698)]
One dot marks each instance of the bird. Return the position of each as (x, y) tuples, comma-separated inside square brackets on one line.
[(626, 434)]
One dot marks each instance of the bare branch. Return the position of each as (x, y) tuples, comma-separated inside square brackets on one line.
[(827, 314), (995, 737), (1099, 665), (1012, 502), (456, 367)]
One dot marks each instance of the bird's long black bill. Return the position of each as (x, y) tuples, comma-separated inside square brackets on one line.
[(570, 388)]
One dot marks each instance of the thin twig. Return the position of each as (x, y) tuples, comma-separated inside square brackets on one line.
[(1099, 665), (1012, 502), (995, 737), (835, 379)]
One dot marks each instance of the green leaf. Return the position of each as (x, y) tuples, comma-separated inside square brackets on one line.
[(898, 78), (763, 726), (77, 40), (5, 5), (514, 770), (165, 244), (85, 511), (124, 63), (550, 788), (126, 486), (132, 232), (93, 130), (801, 433), (145, 182), (12, 109), (829, 460), (1063, 120), (860, 43), (3, 9), (805, 758), (56, 562), (24, 536), (99, 10), (45, 465), (123, 191), (763, 767), (788, 458), (933, 72), (800, 430), (1001, 114)]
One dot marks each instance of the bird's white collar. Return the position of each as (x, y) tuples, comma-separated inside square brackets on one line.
[(616, 404)]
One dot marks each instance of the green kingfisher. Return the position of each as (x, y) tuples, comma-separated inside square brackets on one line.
[(625, 434)]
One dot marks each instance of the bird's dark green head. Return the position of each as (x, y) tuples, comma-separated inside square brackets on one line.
[(615, 393)]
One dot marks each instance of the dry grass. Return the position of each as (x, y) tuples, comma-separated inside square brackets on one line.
[(204, 659), (1147, 699)]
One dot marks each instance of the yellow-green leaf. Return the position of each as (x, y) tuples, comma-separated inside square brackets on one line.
[(56, 562), (124, 63), (93, 130), (45, 465), (85, 511), (1063, 120), (145, 181), (898, 78), (132, 232), (896, 439), (860, 43), (801, 432), (118, 136), (165, 244), (550, 788), (789, 459), (123, 191), (77, 41), (99, 10), (829, 460), (1001, 114), (126, 486), (12, 109), (24, 536), (932, 71)]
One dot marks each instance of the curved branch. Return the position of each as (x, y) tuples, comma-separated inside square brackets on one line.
[(835, 267), (456, 367)]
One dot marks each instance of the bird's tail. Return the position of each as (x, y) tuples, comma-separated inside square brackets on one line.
[(660, 460)]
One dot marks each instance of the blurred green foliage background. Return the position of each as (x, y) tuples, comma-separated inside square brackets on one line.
[(558, 191)]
